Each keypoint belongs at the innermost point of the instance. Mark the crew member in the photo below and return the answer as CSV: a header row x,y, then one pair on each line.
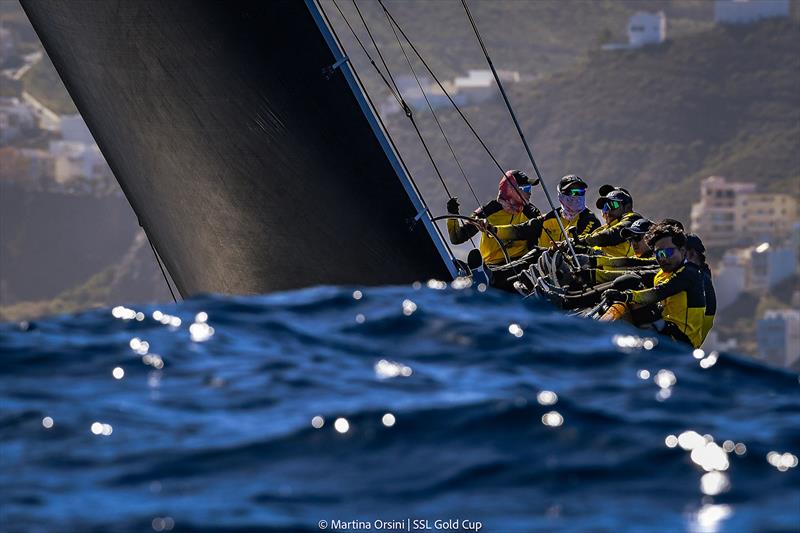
x,y
545,230
678,285
510,207
618,214
695,253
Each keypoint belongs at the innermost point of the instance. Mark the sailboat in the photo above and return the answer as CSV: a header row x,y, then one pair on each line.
x,y
249,149
244,142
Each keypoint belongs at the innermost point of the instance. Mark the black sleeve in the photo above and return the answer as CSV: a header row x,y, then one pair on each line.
x,y
610,236
527,231
587,224
488,210
679,282
711,295
460,232
530,211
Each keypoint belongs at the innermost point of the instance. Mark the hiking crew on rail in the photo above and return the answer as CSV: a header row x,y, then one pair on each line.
x,y
656,271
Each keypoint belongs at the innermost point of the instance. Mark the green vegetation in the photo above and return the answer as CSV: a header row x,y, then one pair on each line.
x,y
95,292
536,37
657,120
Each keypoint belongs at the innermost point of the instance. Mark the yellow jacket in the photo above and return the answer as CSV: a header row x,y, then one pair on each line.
x,y
608,240
683,295
491,252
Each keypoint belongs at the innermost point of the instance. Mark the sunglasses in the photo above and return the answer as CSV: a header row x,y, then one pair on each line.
x,y
574,192
664,253
610,205
526,188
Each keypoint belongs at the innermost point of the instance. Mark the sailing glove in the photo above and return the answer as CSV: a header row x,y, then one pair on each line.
x,y
531,211
614,295
452,205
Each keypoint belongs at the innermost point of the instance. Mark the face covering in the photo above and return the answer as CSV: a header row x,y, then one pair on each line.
x,y
510,196
571,206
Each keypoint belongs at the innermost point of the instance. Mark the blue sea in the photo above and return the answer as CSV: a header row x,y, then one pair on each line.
x,y
415,408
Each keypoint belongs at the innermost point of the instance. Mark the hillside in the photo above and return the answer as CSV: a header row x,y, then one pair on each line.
x,y
534,37
658,119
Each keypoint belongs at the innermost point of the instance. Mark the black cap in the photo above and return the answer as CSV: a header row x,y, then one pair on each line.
x,y
693,242
639,227
522,178
571,180
609,192
673,222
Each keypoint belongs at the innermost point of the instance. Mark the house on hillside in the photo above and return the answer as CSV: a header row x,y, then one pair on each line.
x,y
747,11
647,28
643,28
478,86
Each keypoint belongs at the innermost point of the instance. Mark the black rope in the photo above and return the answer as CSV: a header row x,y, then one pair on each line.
x,y
439,83
391,86
160,266
375,45
386,66
491,231
519,130
405,106
427,101
377,115
458,109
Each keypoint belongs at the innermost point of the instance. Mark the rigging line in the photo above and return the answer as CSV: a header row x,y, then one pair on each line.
x,y
389,73
427,101
444,135
439,83
405,106
158,260
395,93
392,24
378,116
519,130
377,49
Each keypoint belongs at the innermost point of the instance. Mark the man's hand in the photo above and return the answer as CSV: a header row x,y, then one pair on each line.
x,y
614,295
452,205
531,211
482,224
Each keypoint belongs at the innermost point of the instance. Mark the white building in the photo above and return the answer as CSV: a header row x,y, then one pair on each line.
x,y
731,279
778,335
747,11
74,160
15,119
731,213
647,28
479,86
416,99
73,128
770,265
476,87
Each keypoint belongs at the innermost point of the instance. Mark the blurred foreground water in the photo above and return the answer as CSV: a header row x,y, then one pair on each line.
x,y
385,406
